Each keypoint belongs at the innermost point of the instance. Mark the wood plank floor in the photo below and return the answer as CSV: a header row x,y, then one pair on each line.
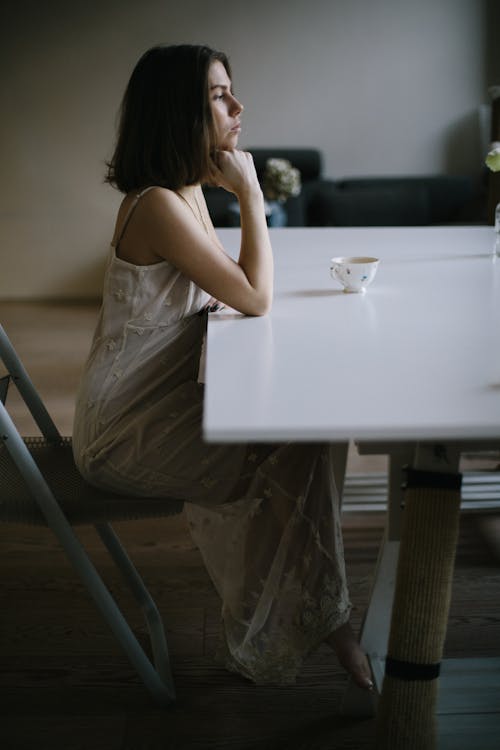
x,y
64,682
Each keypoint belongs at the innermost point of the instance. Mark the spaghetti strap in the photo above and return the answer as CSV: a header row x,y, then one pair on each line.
x,y
129,213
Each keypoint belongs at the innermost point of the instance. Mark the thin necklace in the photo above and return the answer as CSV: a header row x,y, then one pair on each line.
x,y
198,216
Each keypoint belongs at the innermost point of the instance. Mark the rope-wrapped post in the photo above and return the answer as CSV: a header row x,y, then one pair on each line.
x,y
406,718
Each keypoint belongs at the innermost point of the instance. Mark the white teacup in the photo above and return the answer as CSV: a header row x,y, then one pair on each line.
x,y
355,274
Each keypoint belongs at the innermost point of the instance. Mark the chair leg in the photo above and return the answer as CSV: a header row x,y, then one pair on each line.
x,y
145,600
161,691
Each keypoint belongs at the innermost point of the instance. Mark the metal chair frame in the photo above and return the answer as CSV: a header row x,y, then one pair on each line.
x,y
156,676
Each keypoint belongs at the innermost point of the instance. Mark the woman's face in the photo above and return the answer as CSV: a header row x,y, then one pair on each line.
x,y
226,110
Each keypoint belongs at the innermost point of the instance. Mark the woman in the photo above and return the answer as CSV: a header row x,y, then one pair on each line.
x,y
265,518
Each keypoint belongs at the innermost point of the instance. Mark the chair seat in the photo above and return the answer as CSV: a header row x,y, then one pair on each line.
x,y
80,501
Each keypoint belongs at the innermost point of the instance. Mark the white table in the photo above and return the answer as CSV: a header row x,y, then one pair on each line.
x,y
412,363
417,356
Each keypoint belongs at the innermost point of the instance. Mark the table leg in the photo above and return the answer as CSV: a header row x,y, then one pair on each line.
x,y
339,462
407,706
374,634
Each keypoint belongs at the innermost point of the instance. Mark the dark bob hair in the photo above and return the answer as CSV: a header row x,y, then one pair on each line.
x,y
166,132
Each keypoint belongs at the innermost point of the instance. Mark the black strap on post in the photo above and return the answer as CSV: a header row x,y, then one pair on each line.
x,y
410,671
431,479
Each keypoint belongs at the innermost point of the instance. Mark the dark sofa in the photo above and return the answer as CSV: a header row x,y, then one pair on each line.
x,y
361,201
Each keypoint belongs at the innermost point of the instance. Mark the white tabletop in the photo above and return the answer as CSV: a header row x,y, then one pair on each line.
x,y
417,357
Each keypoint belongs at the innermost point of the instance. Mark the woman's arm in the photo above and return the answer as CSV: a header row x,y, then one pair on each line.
x,y
236,173
173,232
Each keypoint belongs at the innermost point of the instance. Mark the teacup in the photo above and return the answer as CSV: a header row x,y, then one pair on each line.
x,y
355,274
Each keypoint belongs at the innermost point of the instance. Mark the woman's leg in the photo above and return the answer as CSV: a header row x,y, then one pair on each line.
x,y
275,555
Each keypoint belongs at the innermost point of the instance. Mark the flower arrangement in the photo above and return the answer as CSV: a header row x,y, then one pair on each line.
x,y
492,160
280,180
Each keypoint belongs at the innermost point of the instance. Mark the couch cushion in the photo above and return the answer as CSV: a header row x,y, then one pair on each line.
x,y
357,207
306,160
449,197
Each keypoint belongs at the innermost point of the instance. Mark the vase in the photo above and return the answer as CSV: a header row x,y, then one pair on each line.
x,y
233,214
275,214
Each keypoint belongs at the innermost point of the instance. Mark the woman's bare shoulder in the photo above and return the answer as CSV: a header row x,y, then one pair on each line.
x,y
137,216
158,194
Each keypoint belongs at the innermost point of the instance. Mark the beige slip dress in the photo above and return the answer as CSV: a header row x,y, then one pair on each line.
x,y
266,518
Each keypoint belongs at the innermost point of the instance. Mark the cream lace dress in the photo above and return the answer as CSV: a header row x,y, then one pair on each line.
x,y
265,517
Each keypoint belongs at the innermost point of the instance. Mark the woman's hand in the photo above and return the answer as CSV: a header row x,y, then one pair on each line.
x,y
235,171
213,305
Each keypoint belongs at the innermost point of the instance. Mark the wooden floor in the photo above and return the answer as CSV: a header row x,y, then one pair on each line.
x,y
64,681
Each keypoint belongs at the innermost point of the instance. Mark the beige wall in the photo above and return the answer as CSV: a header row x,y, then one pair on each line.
x,y
380,86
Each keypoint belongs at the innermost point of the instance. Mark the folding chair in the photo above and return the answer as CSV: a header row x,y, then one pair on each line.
x,y
40,484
